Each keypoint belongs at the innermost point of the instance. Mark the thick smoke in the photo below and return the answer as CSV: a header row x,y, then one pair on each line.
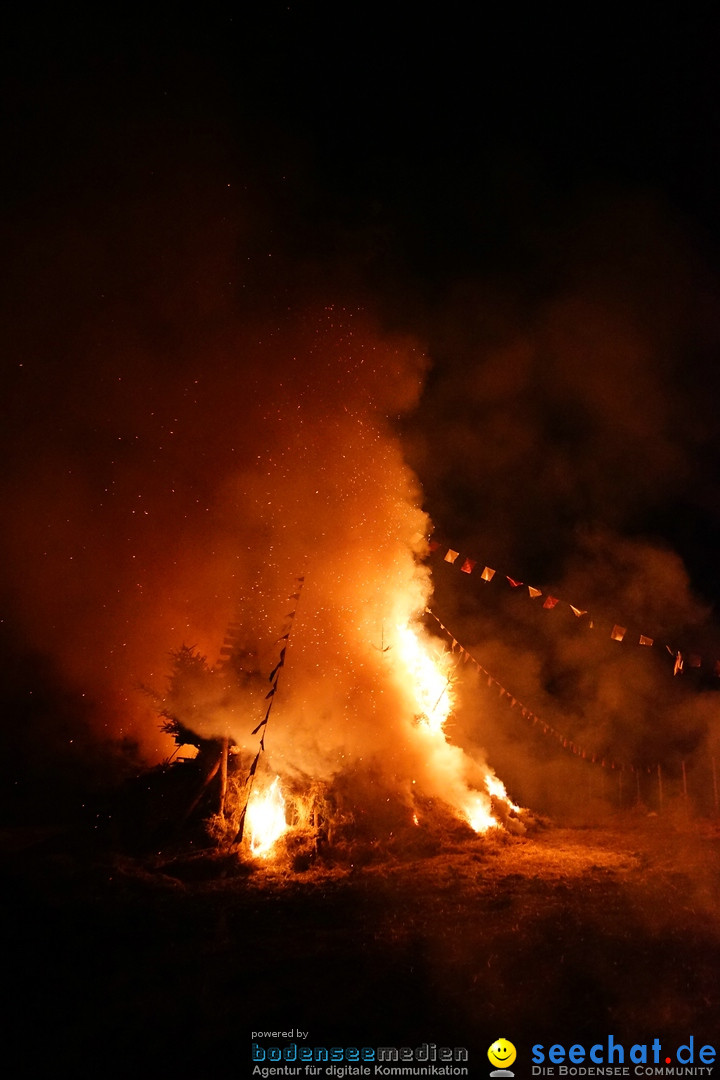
x,y
573,423
198,412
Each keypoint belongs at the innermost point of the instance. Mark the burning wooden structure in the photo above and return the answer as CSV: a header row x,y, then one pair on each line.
x,y
267,805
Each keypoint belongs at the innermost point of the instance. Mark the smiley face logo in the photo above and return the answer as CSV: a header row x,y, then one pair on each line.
x,y
502,1054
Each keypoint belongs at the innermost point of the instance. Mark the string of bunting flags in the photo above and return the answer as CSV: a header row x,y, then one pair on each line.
x,y
592,756
681,659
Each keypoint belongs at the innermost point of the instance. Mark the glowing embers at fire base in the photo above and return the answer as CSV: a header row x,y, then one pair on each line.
x,y
265,819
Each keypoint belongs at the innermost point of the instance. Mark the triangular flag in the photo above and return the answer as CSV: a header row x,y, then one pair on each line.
x,y
514,584
618,633
577,611
467,566
534,592
645,640
451,555
550,602
487,574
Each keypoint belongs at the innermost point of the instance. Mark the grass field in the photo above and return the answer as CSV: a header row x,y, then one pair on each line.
x,y
564,935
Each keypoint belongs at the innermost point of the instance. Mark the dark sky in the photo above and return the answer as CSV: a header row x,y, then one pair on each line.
x,y
531,200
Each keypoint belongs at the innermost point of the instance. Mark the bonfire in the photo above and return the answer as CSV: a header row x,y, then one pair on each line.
x,y
266,812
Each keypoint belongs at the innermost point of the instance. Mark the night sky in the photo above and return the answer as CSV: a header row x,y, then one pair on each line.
x,y
530,202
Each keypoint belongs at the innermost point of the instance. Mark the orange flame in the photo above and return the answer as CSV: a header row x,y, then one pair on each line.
x,y
477,811
496,787
431,680
265,819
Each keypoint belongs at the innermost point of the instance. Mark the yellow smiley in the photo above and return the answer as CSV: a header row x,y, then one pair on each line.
x,y
502,1053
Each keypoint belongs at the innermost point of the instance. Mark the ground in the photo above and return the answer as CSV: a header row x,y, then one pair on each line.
x,y
564,935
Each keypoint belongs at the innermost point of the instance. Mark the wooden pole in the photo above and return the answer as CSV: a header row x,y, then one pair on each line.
x,y
223,775
660,788
620,789
685,793
637,786
210,776
715,785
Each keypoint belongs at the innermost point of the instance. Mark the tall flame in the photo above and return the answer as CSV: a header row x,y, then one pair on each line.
x,y
430,673
431,682
265,818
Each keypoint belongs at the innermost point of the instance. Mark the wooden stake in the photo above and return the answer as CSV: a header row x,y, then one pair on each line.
x,y
223,775
210,776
